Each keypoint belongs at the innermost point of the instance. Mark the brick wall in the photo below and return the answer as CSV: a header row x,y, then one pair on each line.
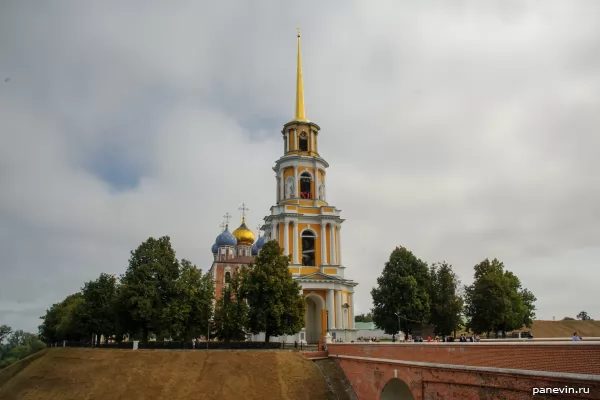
x,y
580,358
369,379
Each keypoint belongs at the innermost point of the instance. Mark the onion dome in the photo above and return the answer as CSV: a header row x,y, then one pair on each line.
x,y
214,248
254,248
226,238
244,235
260,242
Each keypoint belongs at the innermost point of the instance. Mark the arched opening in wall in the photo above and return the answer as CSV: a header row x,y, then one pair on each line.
x,y
305,192
227,277
313,322
308,249
396,389
303,142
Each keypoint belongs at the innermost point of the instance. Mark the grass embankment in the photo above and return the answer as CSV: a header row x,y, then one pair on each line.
x,y
558,329
61,374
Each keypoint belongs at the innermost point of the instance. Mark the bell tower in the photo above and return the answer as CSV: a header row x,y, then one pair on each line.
x,y
304,224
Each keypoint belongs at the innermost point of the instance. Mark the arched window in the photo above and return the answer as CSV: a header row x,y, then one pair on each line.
x,y
308,249
227,277
305,192
303,142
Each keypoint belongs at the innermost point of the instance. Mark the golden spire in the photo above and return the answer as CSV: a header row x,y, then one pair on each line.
x,y
300,113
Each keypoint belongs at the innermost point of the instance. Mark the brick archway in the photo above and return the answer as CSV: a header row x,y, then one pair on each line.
x,y
396,389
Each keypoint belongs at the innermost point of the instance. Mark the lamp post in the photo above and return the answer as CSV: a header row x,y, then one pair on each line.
x,y
399,330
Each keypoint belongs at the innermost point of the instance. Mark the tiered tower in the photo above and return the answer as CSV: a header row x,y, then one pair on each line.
x,y
308,228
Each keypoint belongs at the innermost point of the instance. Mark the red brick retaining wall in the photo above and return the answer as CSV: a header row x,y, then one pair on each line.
x,y
579,358
369,379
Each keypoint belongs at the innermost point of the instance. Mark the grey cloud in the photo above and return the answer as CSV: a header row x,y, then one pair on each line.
x,y
461,130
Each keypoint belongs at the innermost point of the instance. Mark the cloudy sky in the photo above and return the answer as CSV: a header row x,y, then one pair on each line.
x,y
461,130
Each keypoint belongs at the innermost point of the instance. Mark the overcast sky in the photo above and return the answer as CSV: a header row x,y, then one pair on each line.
x,y
458,129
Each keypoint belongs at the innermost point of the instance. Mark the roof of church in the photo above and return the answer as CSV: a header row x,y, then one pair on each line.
x,y
238,260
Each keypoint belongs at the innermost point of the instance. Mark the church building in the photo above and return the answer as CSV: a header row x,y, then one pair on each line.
x,y
307,228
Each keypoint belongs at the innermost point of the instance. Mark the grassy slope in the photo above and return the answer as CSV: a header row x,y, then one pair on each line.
x,y
63,374
552,329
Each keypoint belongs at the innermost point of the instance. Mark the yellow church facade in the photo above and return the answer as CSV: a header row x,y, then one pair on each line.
x,y
307,228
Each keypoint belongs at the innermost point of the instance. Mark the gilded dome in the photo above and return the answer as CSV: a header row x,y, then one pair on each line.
x,y
244,235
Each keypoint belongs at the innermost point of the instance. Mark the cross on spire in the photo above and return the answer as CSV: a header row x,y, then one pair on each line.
x,y
258,228
298,28
222,226
243,209
226,218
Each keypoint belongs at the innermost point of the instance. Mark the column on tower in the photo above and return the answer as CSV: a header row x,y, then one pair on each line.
x,y
330,313
296,183
339,245
286,238
338,309
323,244
295,246
281,186
332,242
316,169
273,232
351,303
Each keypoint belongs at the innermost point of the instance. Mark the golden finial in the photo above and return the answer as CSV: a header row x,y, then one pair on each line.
x,y
300,113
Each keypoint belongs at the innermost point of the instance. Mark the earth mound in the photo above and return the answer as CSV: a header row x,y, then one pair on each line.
x,y
68,373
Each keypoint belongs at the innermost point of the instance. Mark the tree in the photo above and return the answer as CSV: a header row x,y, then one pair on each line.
x,y
5,331
446,301
63,320
364,317
149,284
496,301
401,292
19,344
583,316
276,305
231,313
190,310
98,312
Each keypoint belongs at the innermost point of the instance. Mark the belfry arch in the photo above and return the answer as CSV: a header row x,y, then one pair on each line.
x,y
313,322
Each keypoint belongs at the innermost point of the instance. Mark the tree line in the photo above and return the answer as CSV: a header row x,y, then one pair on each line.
x,y
162,297
410,292
17,345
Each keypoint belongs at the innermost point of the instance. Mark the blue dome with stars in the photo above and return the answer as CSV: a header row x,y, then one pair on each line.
x,y
255,249
226,238
214,248
260,242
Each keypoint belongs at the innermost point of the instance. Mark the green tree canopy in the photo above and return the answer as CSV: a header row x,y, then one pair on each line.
x,y
583,316
496,301
190,309
63,321
446,301
98,311
364,318
5,331
231,313
148,285
276,305
402,291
